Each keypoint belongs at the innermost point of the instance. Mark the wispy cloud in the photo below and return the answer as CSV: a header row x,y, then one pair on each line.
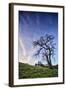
x,y
32,25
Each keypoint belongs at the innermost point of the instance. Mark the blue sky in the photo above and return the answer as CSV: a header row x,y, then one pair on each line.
x,y
33,25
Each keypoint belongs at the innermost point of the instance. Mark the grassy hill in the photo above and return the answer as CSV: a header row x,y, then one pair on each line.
x,y
28,71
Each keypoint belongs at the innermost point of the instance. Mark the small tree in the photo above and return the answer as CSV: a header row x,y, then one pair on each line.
x,y
46,47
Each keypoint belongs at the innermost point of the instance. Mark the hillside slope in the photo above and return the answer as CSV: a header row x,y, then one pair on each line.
x,y
28,71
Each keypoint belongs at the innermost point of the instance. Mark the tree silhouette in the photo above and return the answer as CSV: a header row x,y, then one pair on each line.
x,y
46,48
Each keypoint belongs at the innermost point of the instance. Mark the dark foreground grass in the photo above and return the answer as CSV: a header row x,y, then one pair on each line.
x,y
28,71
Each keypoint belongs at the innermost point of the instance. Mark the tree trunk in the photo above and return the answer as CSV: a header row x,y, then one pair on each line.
x,y
49,61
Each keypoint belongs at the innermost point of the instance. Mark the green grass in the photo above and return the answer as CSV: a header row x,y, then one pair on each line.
x,y
28,71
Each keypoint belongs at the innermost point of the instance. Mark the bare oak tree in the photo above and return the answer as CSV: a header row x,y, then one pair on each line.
x,y
46,48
